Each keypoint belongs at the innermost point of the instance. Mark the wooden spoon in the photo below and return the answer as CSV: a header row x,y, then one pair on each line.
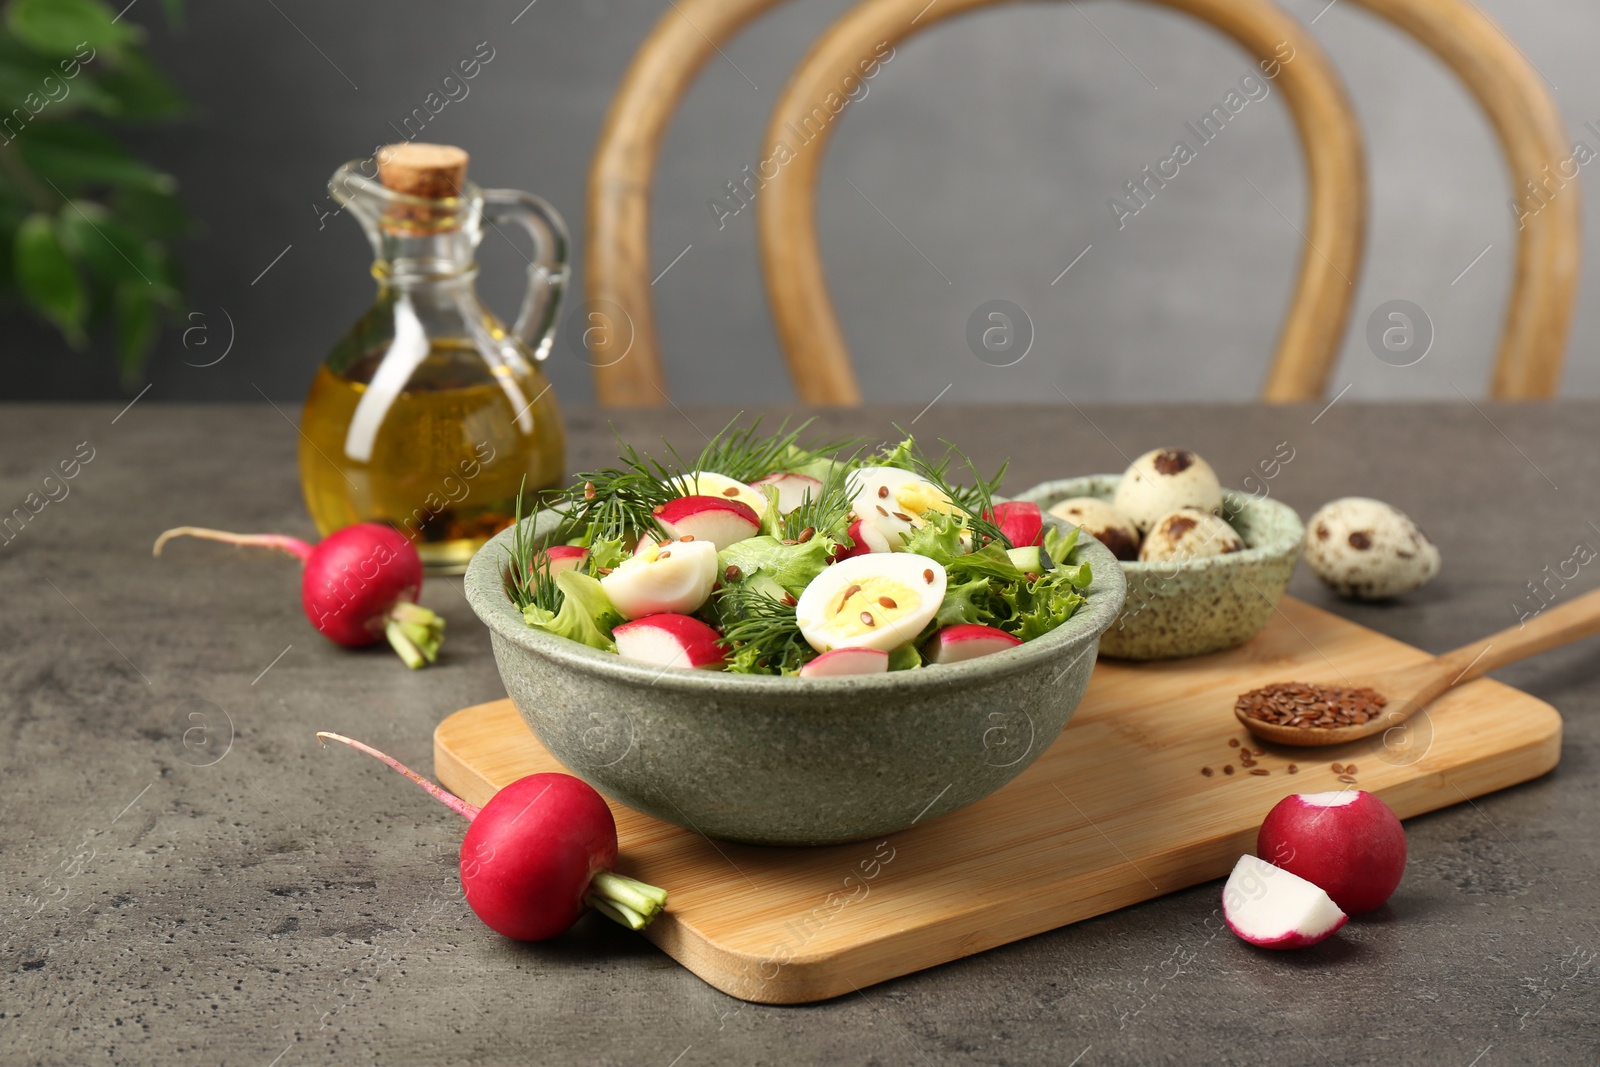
x,y
1410,689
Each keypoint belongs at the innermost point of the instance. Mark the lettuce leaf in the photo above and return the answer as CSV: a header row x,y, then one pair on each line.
x,y
585,616
791,566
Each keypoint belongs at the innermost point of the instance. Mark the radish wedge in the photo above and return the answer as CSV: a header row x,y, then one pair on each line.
x,y
793,489
1269,907
1021,522
559,558
719,520
670,641
845,661
964,641
867,540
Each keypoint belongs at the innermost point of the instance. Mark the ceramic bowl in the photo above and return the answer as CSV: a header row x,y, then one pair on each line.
x,y
792,761
1198,606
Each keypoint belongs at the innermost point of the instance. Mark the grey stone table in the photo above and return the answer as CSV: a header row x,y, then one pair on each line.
x,y
190,879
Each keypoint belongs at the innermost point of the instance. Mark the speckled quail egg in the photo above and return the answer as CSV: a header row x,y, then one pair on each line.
x,y
1102,521
1188,534
1368,550
1163,481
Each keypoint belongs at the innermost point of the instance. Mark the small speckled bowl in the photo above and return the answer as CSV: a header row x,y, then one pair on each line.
x,y
1197,606
793,761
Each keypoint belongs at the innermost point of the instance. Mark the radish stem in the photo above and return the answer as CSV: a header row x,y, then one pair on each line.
x,y
415,633
625,900
439,793
292,545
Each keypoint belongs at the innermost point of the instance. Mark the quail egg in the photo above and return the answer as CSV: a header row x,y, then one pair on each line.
x,y
1102,521
1166,480
1188,534
1368,550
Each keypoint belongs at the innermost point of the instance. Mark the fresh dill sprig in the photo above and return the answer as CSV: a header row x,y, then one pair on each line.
x,y
762,635
527,578
744,456
828,512
976,499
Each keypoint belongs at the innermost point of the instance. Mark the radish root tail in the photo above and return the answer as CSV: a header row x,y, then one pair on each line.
x,y
283,543
438,792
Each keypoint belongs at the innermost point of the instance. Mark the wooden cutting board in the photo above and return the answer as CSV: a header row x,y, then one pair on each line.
x,y
1115,812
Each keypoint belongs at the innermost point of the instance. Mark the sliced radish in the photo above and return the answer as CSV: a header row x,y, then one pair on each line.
x,y
1270,907
1021,522
674,576
559,558
867,540
793,489
1350,843
710,483
843,661
882,601
718,520
670,641
965,641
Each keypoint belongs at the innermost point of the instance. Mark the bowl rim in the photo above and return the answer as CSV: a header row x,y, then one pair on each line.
x,y
1270,550
1103,602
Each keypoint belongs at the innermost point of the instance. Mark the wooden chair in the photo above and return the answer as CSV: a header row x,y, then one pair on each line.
x,y
1533,341
618,268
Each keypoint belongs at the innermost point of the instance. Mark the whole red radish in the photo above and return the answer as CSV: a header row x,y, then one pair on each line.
x,y
538,854
359,586
1349,843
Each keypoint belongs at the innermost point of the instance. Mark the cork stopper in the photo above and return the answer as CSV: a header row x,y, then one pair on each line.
x,y
434,171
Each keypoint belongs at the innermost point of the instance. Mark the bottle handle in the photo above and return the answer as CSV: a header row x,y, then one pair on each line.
x,y
548,272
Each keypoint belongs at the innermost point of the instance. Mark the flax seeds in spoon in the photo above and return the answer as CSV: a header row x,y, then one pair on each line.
x,y
1325,707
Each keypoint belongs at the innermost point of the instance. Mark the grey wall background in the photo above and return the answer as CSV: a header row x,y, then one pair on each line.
x,y
992,142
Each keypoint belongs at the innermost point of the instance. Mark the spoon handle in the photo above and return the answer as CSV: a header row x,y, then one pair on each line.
x,y
1550,628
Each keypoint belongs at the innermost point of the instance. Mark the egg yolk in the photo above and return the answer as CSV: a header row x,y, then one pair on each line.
x,y
921,497
871,604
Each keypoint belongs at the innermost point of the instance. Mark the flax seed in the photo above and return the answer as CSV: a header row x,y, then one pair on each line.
x,y
730,491
1347,780
867,619
1207,771
1261,771
807,534
888,602
883,492
927,576
732,574
1228,769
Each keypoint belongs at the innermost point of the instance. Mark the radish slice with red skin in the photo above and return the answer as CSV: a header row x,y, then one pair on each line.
x,y
847,661
867,540
1269,907
670,641
793,489
964,641
1021,521
359,586
558,558
719,520
540,851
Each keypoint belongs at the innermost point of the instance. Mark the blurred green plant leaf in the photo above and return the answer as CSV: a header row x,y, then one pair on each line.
x,y
59,27
140,90
47,277
138,323
105,251
73,156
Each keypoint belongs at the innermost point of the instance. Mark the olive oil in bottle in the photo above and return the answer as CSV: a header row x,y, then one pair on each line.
x,y
429,414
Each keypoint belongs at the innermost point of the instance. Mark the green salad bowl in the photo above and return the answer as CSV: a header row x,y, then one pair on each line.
x,y
1189,608
793,761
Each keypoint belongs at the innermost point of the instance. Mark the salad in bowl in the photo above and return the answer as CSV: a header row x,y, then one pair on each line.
x,y
768,556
